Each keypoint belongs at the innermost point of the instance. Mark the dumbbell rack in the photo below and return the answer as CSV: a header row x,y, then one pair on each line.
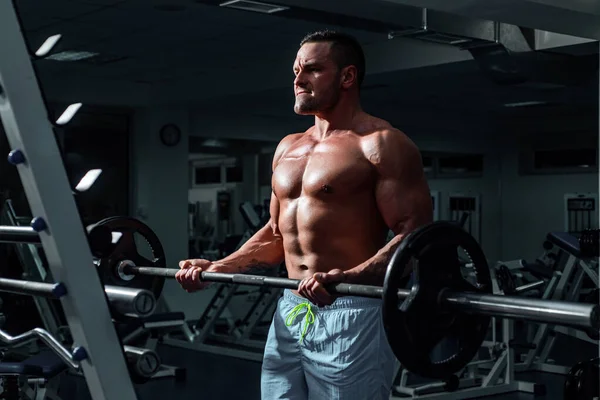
x,y
37,157
33,270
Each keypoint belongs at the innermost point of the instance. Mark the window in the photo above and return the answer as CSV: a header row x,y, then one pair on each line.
x,y
207,175
428,164
216,171
463,163
451,165
234,174
557,161
565,158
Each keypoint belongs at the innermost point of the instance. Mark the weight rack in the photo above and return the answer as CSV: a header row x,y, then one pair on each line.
x,y
37,157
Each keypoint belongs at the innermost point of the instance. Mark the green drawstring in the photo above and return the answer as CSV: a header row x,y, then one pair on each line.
x,y
308,319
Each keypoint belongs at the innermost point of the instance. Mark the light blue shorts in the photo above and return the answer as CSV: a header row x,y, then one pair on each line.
x,y
343,355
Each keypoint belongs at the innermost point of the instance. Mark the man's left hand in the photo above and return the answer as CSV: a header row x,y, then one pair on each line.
x,y
313,288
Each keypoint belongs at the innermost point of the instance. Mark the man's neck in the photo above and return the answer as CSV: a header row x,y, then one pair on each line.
x,y
342,117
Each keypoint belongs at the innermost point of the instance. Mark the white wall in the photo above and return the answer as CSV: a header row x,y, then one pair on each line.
x,y
533,205
160,188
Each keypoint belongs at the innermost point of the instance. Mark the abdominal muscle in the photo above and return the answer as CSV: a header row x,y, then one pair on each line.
x,y
319,236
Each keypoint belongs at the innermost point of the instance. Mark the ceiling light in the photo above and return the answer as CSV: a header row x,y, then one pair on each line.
x,y
71,55
48,45
255,6
524,103
214,143
88,180
68,114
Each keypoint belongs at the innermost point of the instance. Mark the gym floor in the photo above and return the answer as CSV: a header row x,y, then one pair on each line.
x,y
211,376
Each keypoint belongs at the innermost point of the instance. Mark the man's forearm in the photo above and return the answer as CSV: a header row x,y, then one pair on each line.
x,y
372,271
261,252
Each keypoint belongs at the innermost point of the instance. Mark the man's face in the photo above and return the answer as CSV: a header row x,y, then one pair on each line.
x,y
317,82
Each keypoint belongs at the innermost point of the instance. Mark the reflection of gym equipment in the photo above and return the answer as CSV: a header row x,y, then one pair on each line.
x,y
211,236
201,230
255,217
218,329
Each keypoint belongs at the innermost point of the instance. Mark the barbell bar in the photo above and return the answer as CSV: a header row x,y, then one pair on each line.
x,y
99,239
130,302
18,234
42,289
547,311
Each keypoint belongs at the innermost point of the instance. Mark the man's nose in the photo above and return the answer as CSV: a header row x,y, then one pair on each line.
x,y
300,80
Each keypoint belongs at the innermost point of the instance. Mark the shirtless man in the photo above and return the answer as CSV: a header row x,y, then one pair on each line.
x,y
338,188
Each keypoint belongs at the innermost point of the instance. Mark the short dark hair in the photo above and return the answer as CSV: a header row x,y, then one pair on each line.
x,y
345,49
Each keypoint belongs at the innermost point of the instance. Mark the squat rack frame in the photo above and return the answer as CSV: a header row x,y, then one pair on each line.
x,y
37,157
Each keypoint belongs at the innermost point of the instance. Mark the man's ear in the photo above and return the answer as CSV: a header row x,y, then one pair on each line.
x,y
348,76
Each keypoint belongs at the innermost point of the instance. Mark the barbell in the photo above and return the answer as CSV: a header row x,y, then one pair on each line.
x,y
441,304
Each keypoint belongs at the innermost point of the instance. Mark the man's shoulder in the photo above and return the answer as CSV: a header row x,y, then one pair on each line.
x,y
384,144
385,135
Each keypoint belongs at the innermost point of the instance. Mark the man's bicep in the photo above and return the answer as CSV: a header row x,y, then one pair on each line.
x,y
404,204
403,194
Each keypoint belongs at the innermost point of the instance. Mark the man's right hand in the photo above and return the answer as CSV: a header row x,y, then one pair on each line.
x,y
189,274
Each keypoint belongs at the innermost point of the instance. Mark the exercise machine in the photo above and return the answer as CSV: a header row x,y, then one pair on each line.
x,y
574,278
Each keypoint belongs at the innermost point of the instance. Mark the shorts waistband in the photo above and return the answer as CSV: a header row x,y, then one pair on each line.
x,y
339,303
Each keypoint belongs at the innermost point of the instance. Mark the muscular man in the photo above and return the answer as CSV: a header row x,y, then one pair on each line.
x,y
338,189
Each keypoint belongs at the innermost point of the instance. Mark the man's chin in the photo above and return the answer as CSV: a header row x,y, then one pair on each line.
x,y
303,110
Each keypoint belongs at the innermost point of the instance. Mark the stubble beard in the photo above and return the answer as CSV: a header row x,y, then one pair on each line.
x,y
311,105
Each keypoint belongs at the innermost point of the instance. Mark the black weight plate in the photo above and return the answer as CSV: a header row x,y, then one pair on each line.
x,y
125,248
582,381
99,239
587,385
417,325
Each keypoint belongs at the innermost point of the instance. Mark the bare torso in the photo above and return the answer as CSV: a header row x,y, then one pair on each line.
x,y
326,212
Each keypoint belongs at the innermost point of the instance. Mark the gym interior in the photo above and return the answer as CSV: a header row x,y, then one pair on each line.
x,y
169,113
